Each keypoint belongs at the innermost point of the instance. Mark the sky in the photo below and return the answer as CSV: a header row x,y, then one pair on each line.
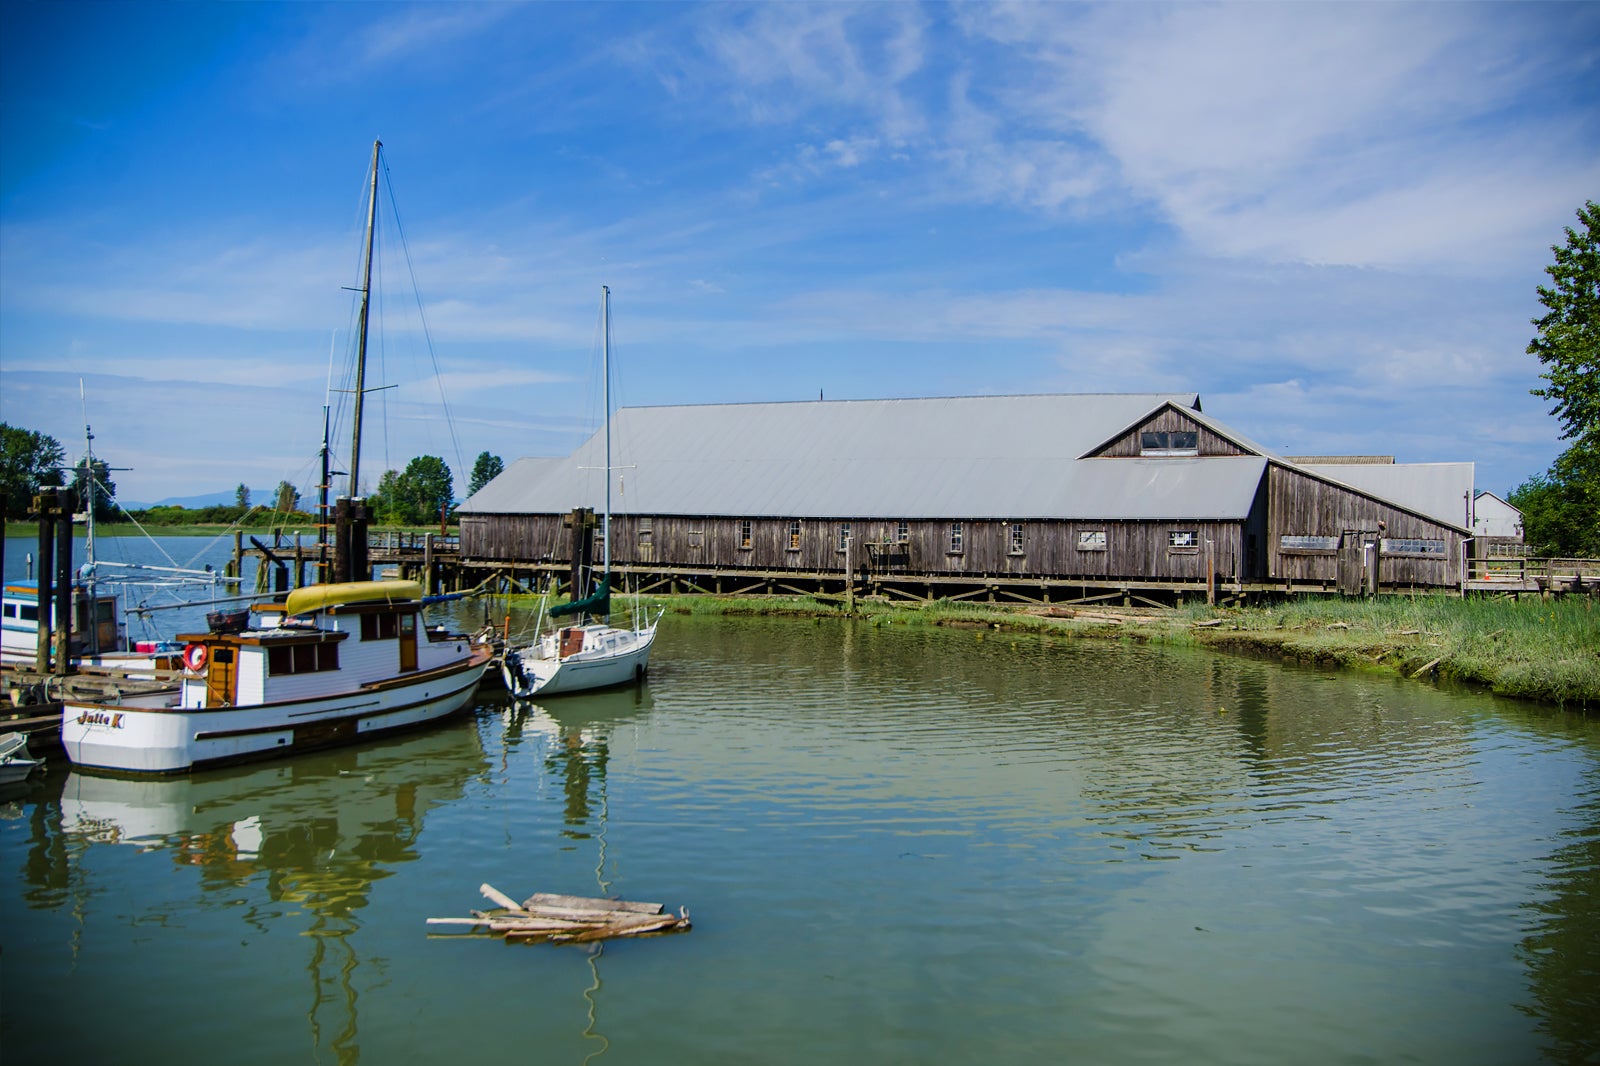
x,y
1330,221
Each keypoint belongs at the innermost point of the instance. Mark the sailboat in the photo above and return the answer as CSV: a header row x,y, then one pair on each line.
x,y
330,664
593,654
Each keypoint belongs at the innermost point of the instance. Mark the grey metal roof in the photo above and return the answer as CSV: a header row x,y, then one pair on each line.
x,y
975,457
1442,491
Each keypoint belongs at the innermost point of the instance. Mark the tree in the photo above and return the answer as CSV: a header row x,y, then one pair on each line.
x,y
241,497
1568,343
288,498
414,497
1561,507
486,469
28,460
105,490
427,489
385,500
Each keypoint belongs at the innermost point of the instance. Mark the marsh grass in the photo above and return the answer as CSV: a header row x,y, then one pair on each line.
x,y
1531,648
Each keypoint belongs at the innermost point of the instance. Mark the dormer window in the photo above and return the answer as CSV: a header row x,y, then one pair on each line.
x,y
1169,442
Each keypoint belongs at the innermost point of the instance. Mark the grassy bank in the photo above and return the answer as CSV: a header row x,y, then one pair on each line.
x,y
1528,648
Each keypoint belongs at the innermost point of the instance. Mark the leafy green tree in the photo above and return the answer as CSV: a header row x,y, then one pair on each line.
x,y
387,509
486,469
241,496
105,490
288,498
28,460
1568,343
1561,507
427,489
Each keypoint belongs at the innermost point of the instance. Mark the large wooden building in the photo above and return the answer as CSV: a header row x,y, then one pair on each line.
x,y
1051,497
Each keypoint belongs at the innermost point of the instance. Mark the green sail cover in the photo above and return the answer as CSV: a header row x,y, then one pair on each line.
x,y
597,602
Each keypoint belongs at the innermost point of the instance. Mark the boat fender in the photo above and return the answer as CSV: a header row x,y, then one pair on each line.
x,y
194,657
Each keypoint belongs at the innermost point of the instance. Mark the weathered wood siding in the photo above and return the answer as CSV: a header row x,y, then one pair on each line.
x,y
1132,550
1301,505
1168,420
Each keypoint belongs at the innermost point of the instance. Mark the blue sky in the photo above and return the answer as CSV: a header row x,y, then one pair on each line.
x,y
1330,221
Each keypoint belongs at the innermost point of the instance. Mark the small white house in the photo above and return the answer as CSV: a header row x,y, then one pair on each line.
x,y
1494,518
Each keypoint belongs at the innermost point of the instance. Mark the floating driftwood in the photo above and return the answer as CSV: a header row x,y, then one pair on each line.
x,y
568,919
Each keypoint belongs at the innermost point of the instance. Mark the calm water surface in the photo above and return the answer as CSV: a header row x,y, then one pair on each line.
x,y
954,846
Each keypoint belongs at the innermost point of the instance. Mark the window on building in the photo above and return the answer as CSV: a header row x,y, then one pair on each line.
x,y
380,626
1413,547
1307,544
304,658
1091,540
794,535
1016,538
1183,540
1169,442
844,536
746,541
696,537
957,535
903,532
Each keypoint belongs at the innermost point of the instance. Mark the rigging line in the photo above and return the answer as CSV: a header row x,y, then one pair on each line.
x,y
422,314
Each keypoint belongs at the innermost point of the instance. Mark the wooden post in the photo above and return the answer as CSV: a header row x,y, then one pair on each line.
x,y
427,564
45,504
1211,573
64,589
341,539
360,559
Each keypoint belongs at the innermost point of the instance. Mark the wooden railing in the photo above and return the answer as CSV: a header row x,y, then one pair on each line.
x,y
1528,571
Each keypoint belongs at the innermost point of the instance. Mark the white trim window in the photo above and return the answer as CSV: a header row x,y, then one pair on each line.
x,y
1014,539
957,537
1167,442
1091,540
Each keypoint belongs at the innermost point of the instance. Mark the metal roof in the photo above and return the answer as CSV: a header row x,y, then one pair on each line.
x,y
1442,491
1003,457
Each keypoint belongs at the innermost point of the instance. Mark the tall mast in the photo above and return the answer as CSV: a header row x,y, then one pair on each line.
x,y
88,482
605,389
361,343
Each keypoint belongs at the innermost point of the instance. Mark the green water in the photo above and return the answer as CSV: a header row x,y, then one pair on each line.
x,y
953,846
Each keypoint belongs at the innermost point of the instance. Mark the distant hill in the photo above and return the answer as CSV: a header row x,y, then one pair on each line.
x,y
210,499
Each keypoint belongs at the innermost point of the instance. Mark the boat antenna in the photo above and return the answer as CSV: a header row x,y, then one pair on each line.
x,y
361,343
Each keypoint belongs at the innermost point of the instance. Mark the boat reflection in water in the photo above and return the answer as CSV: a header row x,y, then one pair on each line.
x,y
576,735
316,831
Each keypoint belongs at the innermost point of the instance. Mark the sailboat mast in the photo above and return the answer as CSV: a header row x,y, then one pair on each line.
x,y
605,389
88,482
361,343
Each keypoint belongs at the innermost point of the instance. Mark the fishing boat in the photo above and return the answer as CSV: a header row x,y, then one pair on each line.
x,y
329,664
15,761
591,654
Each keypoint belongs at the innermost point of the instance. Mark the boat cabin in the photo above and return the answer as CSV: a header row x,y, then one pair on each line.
x,y
95,626
313,644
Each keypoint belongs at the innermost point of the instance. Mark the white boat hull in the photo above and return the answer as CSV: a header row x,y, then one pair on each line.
x,y
136,737
529,674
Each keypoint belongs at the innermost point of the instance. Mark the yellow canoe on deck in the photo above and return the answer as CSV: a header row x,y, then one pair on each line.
x,y
316,597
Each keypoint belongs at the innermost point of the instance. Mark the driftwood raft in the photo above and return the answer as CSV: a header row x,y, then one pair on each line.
x,y
568,919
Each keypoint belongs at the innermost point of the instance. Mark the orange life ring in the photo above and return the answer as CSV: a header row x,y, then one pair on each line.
x,y
194,657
